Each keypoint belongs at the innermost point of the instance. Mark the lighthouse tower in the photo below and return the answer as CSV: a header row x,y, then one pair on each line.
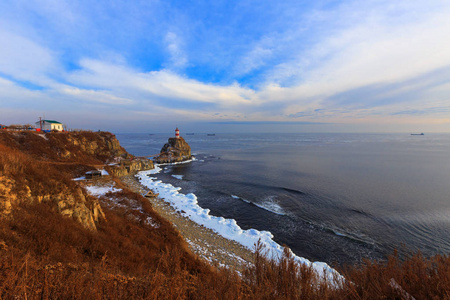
x,y
177,133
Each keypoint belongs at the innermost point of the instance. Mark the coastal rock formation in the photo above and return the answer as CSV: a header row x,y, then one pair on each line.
x,y
129,166
175,150
39,168
85,146
68,201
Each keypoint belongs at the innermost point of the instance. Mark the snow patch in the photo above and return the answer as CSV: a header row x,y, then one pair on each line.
x,y
101,190
151,222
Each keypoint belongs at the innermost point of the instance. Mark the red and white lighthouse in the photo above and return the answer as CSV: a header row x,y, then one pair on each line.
x,y
177,133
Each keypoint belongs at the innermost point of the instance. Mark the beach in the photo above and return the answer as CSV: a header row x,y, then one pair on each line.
x,y
204,242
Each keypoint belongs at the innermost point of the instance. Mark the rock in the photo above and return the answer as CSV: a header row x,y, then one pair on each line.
x,y
128,166
175,150
85,210
7,197
150,194
10,195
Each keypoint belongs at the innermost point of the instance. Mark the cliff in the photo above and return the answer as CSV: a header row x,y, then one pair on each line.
x,y
175,150
38,167
130,166
86,147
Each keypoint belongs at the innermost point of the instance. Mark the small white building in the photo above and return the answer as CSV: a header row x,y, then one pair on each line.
x,y
50,125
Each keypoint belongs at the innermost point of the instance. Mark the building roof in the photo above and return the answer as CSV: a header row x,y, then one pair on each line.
x,y
50,121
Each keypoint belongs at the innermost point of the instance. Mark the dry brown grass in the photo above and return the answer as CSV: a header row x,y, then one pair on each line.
x,y
44,255
416,276
41,178
62,146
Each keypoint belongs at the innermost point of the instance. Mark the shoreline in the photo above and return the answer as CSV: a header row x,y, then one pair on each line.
x,y
227,229
204,242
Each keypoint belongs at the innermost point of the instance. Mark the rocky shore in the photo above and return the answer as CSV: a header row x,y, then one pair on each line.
x,y
204,242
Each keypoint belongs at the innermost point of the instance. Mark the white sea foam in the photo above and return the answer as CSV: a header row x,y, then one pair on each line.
x,y
180,177
227,228
178,162
268,204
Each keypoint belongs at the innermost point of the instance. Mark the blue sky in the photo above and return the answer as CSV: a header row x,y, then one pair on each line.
x,y
146,66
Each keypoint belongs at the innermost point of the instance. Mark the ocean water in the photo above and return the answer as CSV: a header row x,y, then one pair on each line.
x,y
336,198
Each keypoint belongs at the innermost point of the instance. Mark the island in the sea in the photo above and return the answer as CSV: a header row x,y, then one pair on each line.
x,y
175,150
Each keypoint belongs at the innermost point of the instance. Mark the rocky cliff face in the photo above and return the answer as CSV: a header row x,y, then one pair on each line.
x,y
37,167
130,166
68,200
175,150
84,147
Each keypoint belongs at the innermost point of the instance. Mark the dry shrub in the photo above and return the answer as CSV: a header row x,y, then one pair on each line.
x,y
284,278
45,255
60,147
40,177
416,277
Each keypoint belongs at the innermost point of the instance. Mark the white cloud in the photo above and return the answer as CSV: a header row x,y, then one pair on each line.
x,y
23,59
95,96
178,58
162,84
363,60
256,57
372,49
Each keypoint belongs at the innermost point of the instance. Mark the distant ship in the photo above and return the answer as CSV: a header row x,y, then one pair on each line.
x,y
211,134
417,133
189,134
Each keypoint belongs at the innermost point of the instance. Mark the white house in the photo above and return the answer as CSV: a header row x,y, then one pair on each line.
x,y
50,125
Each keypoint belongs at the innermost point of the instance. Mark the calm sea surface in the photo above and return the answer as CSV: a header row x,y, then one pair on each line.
x,y
335,198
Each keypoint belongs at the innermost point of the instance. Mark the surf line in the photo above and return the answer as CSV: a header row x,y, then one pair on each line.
x,y
228,228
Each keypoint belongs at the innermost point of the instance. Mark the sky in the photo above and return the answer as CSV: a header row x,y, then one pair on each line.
x,y
227,66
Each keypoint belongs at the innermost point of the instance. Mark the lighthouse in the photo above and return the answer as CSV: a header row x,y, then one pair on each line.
x,y
177,133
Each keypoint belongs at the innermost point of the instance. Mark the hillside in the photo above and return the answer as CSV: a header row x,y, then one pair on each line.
x,y
73,244
61,240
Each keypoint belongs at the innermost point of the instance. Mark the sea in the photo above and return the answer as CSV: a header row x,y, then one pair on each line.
x,y
335,198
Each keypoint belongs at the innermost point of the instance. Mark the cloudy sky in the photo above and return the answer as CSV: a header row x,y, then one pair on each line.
x,y
298,66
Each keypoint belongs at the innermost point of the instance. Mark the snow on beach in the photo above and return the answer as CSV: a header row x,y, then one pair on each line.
x,y
101,190
228,228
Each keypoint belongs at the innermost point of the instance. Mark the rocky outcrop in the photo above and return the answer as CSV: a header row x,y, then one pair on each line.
x,y
73,204
7,195
100,145
175,150
84,209
129,166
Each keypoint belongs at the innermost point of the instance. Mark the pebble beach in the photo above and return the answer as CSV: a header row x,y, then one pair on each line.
x,y
204,242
